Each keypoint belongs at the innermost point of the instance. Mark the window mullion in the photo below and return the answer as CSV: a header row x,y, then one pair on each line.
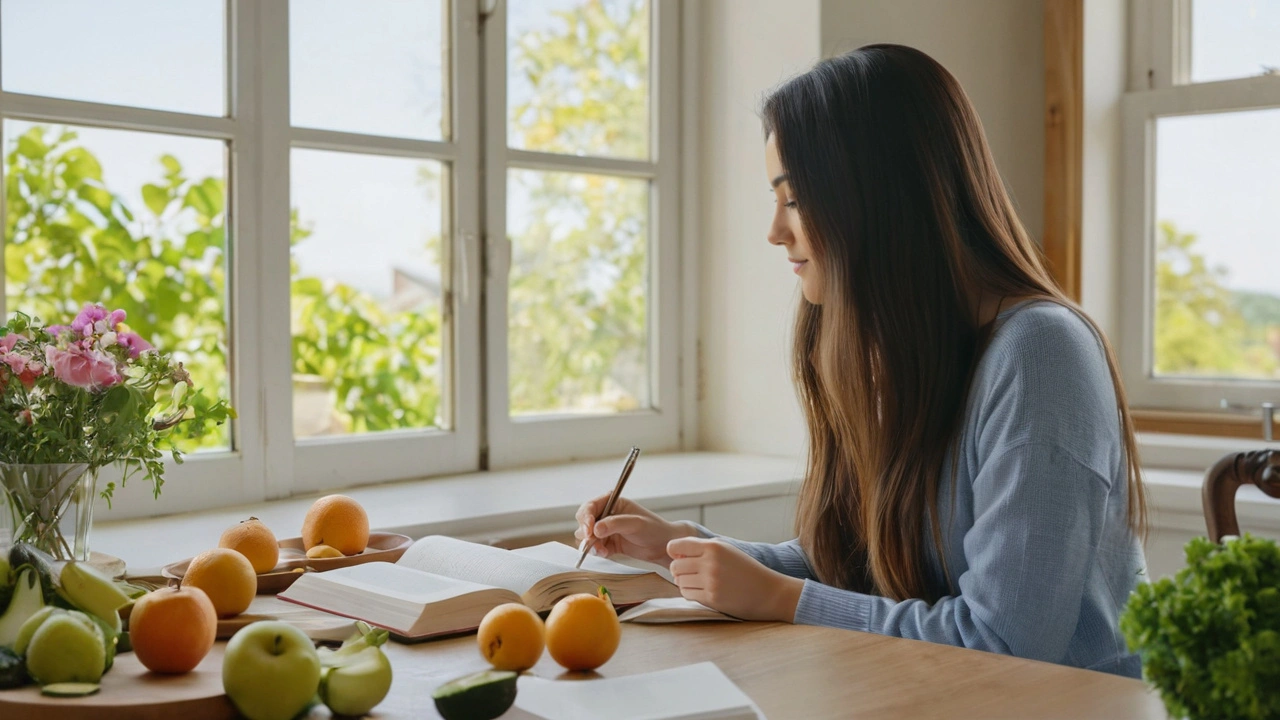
x,y
271,247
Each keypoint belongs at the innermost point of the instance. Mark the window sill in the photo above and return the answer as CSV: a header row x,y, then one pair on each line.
x,y
1195,453
477,506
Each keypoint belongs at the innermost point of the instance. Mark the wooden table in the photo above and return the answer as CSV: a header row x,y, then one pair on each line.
x,y
808,672
789,671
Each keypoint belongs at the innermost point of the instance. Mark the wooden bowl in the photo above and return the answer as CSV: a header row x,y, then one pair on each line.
x,y
384,547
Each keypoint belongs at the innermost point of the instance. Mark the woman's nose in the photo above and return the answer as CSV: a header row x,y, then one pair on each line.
x,y
779,234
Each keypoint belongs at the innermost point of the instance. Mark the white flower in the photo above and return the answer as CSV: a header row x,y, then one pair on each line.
x,y
108,340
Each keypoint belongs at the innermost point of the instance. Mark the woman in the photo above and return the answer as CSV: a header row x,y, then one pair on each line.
x,y
972,477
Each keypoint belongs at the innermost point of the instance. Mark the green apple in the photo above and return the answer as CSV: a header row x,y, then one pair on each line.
x,y
67,647
270,670
356,683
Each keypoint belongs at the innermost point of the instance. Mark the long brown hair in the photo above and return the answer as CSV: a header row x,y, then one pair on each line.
x,y
911,227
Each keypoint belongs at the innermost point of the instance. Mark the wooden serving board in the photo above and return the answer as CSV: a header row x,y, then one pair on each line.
x,y
131,692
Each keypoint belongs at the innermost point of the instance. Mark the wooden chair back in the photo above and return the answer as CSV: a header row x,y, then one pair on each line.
x,y
1256,467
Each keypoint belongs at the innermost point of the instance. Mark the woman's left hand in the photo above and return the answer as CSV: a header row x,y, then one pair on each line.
x,y
724,578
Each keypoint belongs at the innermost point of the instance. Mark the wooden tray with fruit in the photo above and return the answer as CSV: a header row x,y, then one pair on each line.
x,y
382,547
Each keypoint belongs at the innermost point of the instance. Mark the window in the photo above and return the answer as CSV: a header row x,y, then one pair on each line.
x,y
582,202
1202,177
393,266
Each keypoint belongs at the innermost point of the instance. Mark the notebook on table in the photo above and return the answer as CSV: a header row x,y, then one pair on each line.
x,y
692,692
444,586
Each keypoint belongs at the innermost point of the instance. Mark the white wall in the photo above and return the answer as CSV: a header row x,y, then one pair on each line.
x,y
994,47
747,291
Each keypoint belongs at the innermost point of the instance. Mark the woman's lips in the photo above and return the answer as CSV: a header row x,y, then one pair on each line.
x,y
798,265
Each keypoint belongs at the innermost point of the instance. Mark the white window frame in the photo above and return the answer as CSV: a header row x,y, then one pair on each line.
x,y
543,438
1159,86
265,461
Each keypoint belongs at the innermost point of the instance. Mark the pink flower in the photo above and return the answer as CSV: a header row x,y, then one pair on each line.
x,y
78,366
94,319
25,367
134,342
24,417
8,341
56,330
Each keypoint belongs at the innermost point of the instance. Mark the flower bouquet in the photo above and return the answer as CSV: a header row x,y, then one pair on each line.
x,y
75,399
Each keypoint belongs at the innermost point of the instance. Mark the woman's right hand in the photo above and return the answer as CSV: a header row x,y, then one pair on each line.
x,y
631,530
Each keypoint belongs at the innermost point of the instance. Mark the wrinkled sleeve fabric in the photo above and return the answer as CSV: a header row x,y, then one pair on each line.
x,y
1038,514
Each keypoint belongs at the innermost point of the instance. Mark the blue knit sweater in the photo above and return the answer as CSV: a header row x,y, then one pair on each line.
x,y
1037,540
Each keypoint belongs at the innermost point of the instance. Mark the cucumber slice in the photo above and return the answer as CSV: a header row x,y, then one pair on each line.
x,y
481,696
69,689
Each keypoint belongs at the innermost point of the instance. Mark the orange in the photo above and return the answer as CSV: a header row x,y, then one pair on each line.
x,y
172,629
255,541
337,521
226,577
583,631
323,551
511,637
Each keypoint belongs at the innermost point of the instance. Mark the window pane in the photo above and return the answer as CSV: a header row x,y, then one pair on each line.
x,y
132,220
375,67
578,76
155,54
1234,38
366,292
1217,284
577,307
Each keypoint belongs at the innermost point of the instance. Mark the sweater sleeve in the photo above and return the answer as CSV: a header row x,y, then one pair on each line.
x,y
1038,514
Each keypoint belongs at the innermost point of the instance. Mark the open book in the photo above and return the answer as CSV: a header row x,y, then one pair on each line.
x,y
442,586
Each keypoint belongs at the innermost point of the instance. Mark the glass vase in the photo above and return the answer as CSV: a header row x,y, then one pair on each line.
x,y
49,506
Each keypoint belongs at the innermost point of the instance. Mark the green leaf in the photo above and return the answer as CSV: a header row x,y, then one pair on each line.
x,y
156,198
31,145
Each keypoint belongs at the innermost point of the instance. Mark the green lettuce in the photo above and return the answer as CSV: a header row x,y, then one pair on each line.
x,y
1209,637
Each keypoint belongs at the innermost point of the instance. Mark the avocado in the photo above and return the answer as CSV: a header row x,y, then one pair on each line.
x,y
13,671
27,554
481,696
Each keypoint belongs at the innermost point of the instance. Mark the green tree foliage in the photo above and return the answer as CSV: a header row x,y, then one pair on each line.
x,y
1200,326
70,240
578,290
577,302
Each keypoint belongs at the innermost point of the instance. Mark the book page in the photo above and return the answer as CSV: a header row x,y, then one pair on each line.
x,y
477,563
566,557
660,611
692,692
395,581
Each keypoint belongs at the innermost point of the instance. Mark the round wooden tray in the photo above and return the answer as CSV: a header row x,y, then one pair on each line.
x,y
382,547
131,692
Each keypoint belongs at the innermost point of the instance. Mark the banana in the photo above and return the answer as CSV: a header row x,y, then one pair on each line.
x,y
92,592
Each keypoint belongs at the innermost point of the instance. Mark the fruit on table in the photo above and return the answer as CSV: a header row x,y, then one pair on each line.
x,y
172,629
92,592
226,577
337,521
255,541
481,696
27,600
583,631
29,627
324,551
67,647
70,689
270,670
357,676
26,554
13,671
511,637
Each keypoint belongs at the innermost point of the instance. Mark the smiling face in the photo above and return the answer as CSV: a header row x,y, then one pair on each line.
x,y
786,230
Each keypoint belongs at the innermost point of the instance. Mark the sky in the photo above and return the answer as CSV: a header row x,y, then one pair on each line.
x,y
375,67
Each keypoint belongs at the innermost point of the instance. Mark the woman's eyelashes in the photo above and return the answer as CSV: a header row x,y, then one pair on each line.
x,y
790,205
